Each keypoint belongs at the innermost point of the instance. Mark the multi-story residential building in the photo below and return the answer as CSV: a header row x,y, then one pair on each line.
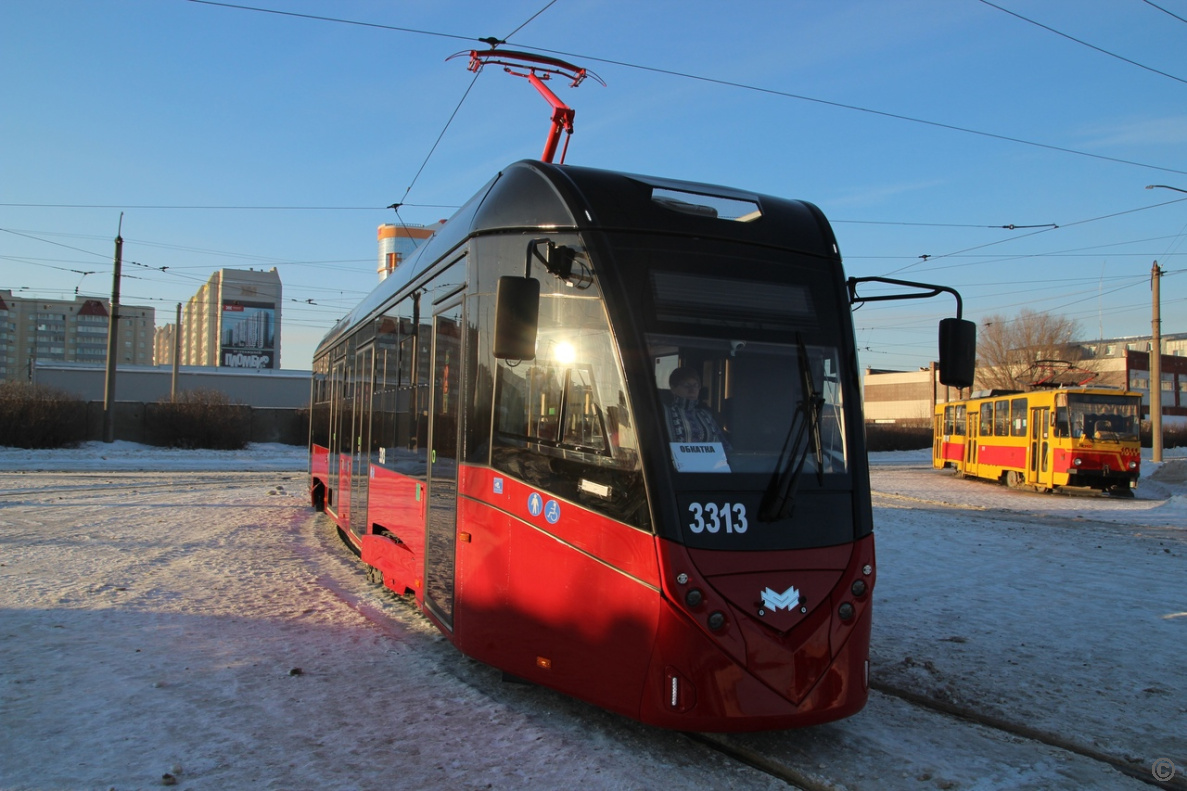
x,y
50,330
232,322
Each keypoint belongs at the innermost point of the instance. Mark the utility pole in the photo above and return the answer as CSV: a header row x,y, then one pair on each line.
x,y
1156,353
1155,368
113,331
176,355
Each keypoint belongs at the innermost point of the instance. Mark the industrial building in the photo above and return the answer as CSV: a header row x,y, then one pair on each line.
x,y
909,397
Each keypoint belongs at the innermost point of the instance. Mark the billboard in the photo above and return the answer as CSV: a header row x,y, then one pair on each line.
x,y
247,335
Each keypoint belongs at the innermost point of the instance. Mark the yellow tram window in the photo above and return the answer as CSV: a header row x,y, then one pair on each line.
x,y
1001,419
1018,417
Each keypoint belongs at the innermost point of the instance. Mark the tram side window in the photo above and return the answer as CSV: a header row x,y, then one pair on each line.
x,y
383,396
412,388
954,420
319,398
1018,417
342,412
561,421
1001,419
1061,422
987,419
397,433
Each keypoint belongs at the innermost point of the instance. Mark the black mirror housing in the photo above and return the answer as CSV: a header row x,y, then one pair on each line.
x,y
958,352
517,316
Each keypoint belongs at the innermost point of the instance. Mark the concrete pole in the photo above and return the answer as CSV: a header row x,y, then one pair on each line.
x,y
176,355
1155,368
113,332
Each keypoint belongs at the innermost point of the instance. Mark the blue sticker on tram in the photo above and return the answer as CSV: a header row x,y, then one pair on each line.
x,y
552,512
498,486
535,504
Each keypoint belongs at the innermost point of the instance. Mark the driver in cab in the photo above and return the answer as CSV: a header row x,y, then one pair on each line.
x,y
687,419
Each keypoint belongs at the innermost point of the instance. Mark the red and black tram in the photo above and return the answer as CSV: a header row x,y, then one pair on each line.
x,y
494,432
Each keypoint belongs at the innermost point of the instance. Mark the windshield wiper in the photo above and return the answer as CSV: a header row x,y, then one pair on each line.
x,y
779,499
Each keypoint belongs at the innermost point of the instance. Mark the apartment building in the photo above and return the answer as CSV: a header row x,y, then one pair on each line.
x,y
53,330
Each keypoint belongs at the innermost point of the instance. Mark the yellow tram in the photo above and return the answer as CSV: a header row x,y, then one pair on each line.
x,y
1045,439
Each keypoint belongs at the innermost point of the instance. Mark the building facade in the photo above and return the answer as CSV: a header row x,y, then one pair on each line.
x,y
48,330
148,384
910,396
233,321
397,242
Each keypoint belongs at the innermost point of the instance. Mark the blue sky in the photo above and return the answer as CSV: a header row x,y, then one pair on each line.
x,y
243,139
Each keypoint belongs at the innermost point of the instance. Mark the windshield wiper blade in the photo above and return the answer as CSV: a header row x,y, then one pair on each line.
x,y
779,499
780,495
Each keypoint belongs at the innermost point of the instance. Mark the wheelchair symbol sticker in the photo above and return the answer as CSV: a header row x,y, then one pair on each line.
x,y
552,512
535,504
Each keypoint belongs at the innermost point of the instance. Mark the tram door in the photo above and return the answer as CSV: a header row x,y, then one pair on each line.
x,y
361,441
441,539
1039,470
970,442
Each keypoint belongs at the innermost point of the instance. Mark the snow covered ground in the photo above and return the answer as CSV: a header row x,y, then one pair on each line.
x,y
186,614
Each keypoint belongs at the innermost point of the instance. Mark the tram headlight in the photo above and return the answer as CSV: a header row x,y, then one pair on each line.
x,y
716,620
1076,462
694,597
846,611
858,588
1133,465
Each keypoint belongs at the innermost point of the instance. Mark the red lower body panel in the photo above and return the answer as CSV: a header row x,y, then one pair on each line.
x,y
725,696
569,599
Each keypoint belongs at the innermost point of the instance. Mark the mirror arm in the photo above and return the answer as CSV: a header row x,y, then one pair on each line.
x,y
930,289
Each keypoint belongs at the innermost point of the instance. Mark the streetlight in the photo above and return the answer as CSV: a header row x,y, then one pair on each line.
x,y
1156,354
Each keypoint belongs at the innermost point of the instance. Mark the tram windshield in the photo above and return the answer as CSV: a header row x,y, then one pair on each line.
x,y
1099,416
735,406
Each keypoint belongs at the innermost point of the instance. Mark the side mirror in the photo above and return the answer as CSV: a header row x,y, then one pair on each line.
x,y
958,352
517,315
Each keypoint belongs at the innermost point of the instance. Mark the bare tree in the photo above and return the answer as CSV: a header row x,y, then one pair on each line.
x,y
1013,354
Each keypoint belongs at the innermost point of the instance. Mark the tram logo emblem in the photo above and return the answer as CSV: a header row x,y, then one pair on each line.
x,y
786,600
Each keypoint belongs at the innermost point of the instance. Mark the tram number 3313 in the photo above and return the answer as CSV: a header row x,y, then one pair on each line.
x,y
714,517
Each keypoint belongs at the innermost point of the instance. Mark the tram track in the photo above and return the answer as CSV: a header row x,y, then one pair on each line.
x,y
791,775
729,746
1121,764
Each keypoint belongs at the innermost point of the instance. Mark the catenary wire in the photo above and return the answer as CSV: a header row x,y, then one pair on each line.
x,y
1163,10
1085,43
734,84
